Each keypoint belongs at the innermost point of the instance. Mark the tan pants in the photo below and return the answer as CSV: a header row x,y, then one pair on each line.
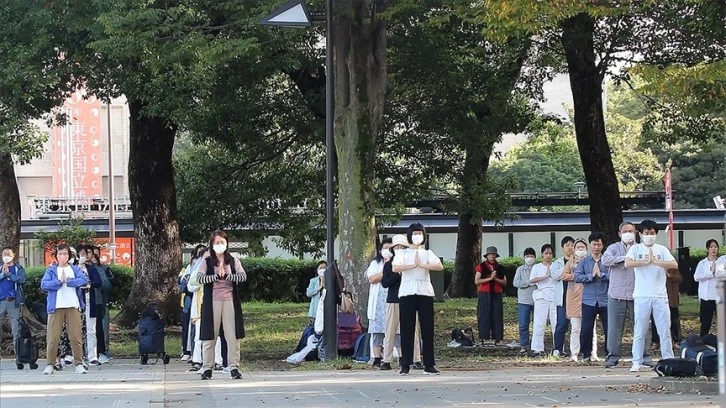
x,y
72,318
392,321
223,311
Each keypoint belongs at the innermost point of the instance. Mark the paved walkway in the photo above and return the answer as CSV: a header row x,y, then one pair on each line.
x,y
125,383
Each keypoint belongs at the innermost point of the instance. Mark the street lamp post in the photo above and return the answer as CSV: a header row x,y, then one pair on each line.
x,y
294,13
111,192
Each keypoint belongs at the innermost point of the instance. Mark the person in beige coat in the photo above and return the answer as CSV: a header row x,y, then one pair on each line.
x,y
574,301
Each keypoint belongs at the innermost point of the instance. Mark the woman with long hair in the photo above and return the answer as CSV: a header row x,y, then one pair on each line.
x,y
220,273
377,296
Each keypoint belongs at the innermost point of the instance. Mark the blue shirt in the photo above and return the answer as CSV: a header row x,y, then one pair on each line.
x,y
9,285
594,289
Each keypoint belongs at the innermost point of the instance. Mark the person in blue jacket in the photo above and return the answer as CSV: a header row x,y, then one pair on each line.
x,y
12,277
63,282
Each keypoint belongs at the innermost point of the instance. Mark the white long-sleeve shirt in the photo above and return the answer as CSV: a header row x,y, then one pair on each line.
x,y
708,279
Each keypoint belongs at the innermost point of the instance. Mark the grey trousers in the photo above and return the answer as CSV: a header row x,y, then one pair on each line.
x,y
9,309
618,310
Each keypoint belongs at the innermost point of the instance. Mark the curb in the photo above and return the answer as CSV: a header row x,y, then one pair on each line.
x,y
691,386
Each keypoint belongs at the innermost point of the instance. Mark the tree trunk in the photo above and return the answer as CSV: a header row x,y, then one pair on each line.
x,y
359,53
586,82
9,203
469,236
157,257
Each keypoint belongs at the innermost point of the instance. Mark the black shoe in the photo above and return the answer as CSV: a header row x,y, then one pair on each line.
x,y
611,363
538,354
218,367
195,367
404,370
418,366
235,374
377,362
207,375
385,366
431,370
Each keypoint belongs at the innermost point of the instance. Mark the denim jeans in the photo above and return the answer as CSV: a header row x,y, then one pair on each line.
x,y
524,313
563,323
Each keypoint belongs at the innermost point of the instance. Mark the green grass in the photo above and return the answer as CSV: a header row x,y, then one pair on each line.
x,y
273,330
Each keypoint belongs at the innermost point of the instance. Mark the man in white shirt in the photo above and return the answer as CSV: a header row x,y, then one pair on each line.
x,y
650,262
544,299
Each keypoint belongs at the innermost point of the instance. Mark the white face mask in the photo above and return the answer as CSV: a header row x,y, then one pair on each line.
x,y
417,239
386,253
648,240
7,259
219,248
580,253
529,260
82,259
627,237
321,272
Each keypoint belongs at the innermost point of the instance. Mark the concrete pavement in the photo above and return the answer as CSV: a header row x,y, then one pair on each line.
x,y
125,383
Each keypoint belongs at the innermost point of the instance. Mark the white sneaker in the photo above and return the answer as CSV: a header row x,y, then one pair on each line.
x,y
48,370
635,368
80,369
185,357
556,353
68,360
595,358
514,345
573,359
103,359
227,369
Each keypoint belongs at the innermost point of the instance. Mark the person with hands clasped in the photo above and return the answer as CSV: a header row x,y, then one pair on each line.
x,y
490,308
650,262
315,288
220,273
91,293
544,299
594,277
708,272
525,304
63,283
416,297
12,276
574,297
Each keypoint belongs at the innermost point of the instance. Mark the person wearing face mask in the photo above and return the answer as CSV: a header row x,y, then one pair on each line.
x,y
650,262
620,293
315,288
563,323
377,296
708,272
12,277
544,300
416,297
574,297
491,281
91,311
525,304
594,277
220,273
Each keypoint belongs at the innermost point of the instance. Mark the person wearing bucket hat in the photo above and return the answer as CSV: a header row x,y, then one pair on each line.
x,y
392,281
491,281
417,297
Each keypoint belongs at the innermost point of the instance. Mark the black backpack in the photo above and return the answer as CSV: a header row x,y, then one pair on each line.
x,y
678,367
465,337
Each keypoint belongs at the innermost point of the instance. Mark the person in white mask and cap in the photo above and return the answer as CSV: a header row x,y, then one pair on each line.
x,y
650,262
315,288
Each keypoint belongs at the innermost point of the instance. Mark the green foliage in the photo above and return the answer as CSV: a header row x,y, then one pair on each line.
x,y
70,231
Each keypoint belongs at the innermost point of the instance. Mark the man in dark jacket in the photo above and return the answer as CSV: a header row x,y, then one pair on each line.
x,y
12,276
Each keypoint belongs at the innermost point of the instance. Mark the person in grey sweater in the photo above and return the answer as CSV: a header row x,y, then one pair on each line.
x,y
525,304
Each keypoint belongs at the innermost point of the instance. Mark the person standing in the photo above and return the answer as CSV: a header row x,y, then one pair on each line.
x,y
63,282
416,297
315,288
650,262
220,273
673,284
574,297
595,278
491,281
377,296
544,299
525,304
103,298
708,272
91,311
12,278
563,323
620,293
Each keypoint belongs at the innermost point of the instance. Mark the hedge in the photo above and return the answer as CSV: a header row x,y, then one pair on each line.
x,y
283,280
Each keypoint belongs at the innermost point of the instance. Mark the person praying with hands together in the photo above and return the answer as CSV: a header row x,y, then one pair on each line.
x,y
544,299
650,261
220,273
63,283
416,297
